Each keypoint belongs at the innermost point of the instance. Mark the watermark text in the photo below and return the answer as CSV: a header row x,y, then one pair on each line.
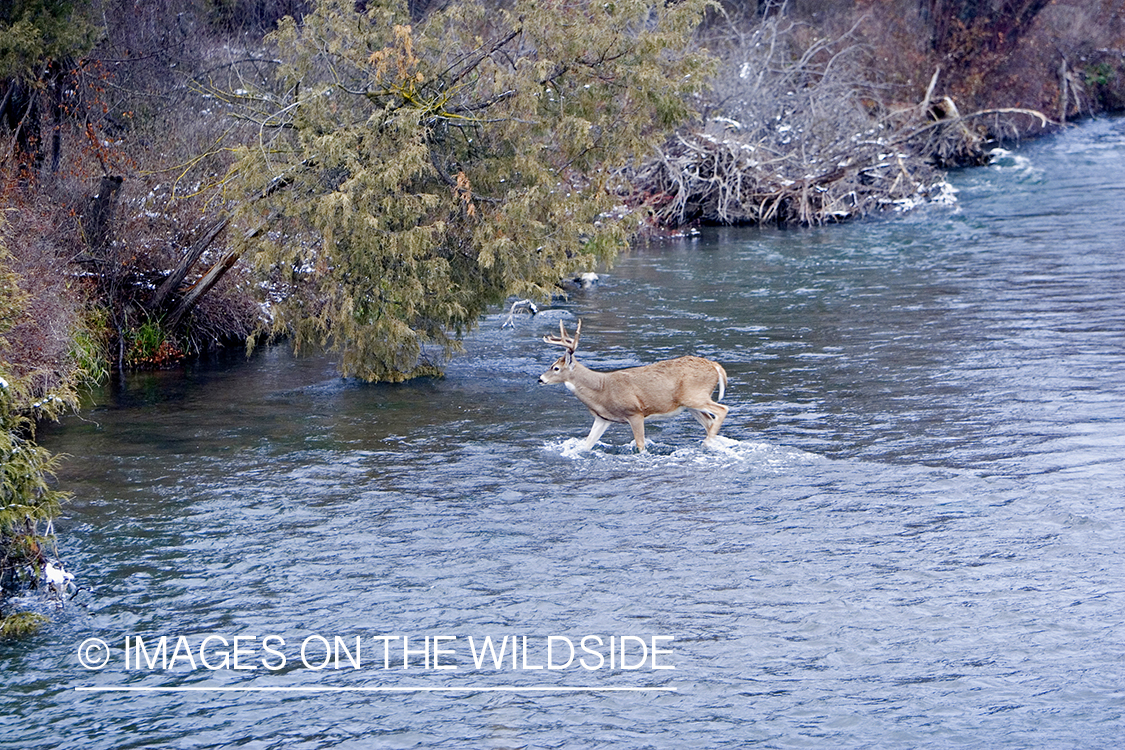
x,y
272,653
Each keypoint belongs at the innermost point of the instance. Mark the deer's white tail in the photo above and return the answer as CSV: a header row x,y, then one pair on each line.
x,y
722,380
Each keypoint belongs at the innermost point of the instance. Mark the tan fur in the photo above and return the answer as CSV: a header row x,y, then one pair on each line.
x,y
630,396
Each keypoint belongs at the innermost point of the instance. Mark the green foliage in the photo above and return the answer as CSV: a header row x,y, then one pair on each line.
x,y
411,177
35,30
26,498
147,340
1099,74
151,346
88,347
19,624
12,298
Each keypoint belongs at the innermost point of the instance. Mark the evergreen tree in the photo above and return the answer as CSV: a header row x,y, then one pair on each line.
x,y
407,177
26,497
34,31
38,39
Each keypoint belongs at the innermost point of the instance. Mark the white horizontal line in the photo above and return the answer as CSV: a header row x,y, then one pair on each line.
x,y
377,689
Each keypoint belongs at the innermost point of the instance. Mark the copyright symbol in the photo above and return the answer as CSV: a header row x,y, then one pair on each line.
x,y
93,653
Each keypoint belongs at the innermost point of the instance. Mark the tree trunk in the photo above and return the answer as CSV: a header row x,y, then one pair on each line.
x,y
58,80
212,277
98,217
200,288
172,283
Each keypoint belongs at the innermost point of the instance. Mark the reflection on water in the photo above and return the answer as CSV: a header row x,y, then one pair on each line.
x,y
910,534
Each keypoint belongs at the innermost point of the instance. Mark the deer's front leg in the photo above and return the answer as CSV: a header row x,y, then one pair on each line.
x,y
637,422
600,426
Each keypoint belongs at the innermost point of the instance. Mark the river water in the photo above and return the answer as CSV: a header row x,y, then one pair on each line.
x,y
910,535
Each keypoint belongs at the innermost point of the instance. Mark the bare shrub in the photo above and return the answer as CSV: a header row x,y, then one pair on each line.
x,y
793,136
39,348
155,105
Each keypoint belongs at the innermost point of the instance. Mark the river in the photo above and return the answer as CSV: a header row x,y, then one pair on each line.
x,y
911,533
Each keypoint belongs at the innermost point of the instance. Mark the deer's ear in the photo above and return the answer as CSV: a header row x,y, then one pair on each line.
x,y
568,359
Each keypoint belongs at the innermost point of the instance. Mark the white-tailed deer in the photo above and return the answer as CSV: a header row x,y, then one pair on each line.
x,y
629,396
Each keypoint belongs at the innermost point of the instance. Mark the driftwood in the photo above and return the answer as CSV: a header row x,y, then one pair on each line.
x,y
959,140
200,288
730,181
727,178
520,306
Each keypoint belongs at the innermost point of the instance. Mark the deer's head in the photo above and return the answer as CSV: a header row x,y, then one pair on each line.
x,y
562,366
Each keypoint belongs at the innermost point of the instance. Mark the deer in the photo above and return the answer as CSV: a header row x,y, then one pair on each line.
x,y
629,396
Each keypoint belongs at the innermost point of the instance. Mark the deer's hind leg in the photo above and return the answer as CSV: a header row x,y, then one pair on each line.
x,y
637,422
711,417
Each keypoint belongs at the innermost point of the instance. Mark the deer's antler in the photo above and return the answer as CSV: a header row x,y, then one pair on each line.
x,y
571,344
